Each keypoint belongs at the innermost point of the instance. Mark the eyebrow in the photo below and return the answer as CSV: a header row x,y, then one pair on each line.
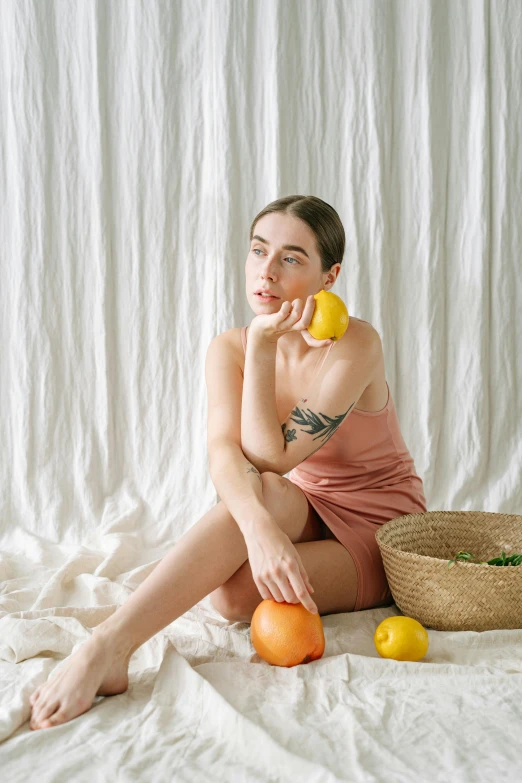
x,y
285,247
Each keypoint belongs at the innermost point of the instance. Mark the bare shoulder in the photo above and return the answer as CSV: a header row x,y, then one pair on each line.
x,y
229,337
361,343
232,337
365,342
230,343
360,335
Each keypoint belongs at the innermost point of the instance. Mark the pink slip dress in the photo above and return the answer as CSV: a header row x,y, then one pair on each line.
x,y
363,476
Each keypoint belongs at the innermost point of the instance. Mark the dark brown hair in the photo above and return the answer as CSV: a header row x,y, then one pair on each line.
x,y
320,217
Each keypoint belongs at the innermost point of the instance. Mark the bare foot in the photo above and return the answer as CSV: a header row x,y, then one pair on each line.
x,y
96,668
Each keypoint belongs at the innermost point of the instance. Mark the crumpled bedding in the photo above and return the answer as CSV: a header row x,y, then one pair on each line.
x,y
201,704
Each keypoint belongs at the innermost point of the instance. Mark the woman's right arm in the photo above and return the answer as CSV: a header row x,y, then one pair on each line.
x,y
238,484
277,568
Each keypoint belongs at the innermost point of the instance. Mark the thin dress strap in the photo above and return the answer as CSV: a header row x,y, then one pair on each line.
x,y
312,382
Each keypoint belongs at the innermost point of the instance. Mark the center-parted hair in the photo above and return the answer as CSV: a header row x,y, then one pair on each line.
x,y
320,217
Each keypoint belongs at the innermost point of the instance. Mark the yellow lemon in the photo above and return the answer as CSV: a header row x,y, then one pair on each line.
x,y
401,638
330,318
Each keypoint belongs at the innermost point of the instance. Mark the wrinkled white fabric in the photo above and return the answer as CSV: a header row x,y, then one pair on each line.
x,y
138,141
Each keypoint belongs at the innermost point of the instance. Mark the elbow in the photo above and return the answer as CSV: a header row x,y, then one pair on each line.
x,y
263,465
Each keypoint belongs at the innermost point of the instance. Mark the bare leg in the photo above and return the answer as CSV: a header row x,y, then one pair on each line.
x,y
204,558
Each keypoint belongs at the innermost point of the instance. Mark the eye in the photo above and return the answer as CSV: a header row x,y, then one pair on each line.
x,y
256,249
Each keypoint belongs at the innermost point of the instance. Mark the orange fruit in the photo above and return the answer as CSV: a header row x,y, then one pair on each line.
x,y
286,634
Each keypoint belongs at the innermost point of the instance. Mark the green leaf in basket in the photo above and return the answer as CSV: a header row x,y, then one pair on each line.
x,y
460,556
503,560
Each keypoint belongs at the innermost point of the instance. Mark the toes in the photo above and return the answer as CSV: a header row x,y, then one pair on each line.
x,y
33,697
34,724
62,715
54,720
55,713
39,722
44,711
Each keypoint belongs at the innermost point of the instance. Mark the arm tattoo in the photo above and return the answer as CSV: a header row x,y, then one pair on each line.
x,y
252,469
321,429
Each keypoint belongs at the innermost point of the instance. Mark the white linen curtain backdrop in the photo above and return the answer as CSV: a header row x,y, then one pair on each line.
x,y
138,141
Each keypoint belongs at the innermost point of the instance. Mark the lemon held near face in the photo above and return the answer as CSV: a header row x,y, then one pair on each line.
x,y
330,319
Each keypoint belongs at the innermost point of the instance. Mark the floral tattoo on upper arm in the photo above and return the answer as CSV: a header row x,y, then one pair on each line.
x,y
320,429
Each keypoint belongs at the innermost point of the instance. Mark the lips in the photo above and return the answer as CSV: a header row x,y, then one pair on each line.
x,y
266,291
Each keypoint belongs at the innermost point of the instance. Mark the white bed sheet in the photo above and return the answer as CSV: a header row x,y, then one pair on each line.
x,y
202,705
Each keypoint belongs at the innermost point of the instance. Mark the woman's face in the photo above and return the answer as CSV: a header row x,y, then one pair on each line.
x,y
290,273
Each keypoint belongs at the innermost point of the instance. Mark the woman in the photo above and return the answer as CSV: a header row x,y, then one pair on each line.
x,y
278,400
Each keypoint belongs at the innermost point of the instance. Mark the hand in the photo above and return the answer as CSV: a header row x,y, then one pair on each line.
x,y
291,317
277,568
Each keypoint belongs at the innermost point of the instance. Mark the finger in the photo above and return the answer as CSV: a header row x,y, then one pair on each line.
x,y
299,312
310,307
308,310
287,314
304,317
264,592
302,593
290,596
280,586
312,342
295,315
274,588
285,310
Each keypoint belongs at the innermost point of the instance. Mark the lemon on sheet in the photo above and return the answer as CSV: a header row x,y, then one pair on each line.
x,y
401,638
330,318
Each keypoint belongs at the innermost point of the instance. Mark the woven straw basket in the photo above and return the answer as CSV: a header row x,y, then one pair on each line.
x,y
416,549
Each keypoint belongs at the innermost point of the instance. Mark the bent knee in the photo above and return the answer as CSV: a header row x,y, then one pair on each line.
x,y
225,602
222,604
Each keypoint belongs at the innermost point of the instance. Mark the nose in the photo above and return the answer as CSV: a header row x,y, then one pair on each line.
x,y
267,268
